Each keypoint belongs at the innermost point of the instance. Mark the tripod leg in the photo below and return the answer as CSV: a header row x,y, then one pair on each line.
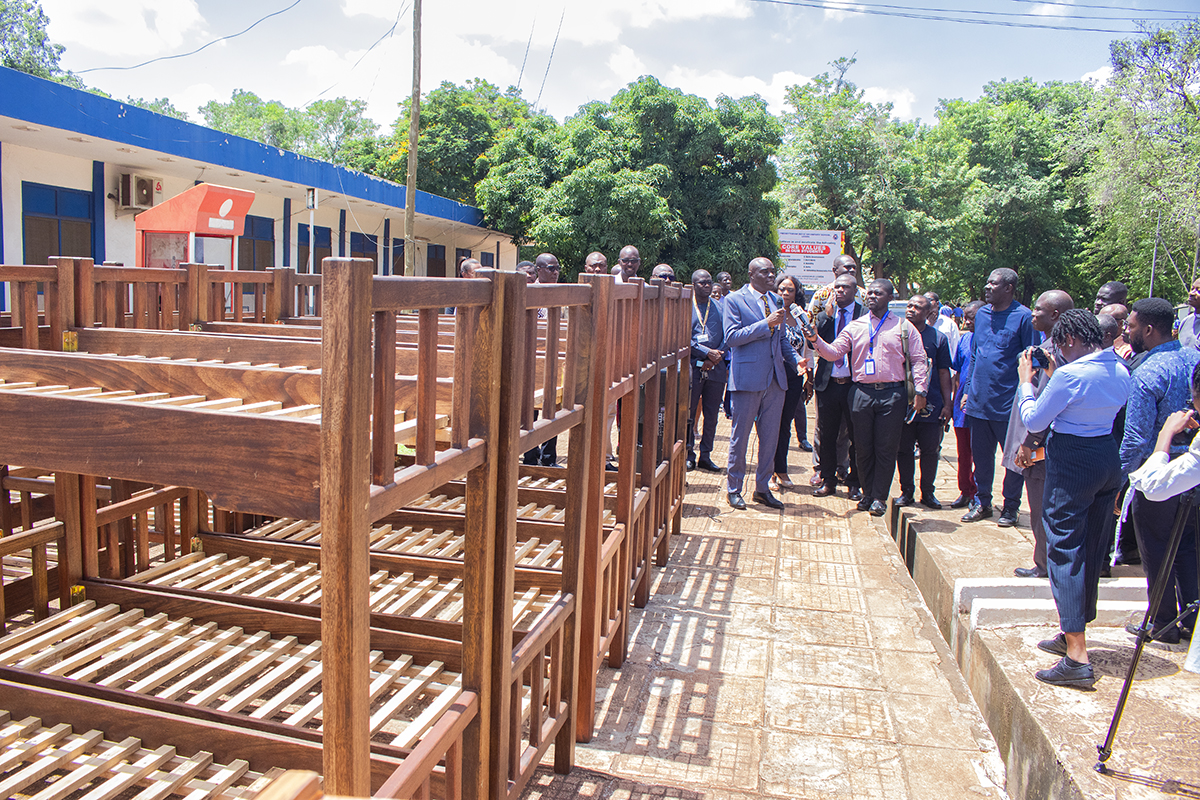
x,y
1186,503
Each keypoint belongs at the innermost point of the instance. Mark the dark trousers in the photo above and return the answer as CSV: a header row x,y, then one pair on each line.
x,y
926,433
986,436
706,397
791,401
1083,475
1035,490
877,412
545,454
833,410
966,474
1154,523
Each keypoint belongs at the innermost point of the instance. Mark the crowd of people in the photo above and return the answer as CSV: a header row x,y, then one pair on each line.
x,y
1091,411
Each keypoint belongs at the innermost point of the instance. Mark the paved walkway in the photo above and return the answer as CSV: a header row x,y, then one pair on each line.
x,y
782,655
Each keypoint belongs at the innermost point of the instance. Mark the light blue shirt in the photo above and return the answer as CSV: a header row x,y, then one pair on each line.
x,y
1082,398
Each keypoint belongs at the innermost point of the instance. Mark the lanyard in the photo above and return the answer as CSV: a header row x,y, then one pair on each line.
x,y
707,308
876,331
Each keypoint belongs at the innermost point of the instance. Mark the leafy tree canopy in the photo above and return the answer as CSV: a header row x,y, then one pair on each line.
x,y
25,45
684,181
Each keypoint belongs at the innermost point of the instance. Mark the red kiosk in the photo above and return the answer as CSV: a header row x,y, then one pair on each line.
x,y
200,225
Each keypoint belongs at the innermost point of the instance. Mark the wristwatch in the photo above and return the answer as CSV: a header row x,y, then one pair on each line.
x,y
922,394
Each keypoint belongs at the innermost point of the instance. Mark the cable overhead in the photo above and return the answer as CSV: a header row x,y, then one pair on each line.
x,y
198,49
550,60
877,10
367,52
527,45
855,6
1105,8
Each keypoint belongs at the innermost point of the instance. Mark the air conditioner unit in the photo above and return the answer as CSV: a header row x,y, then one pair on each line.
x,y
139,192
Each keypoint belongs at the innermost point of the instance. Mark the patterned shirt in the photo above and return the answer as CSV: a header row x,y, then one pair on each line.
x,y
1162,385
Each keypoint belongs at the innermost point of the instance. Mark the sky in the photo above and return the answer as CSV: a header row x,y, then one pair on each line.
x,y
565,54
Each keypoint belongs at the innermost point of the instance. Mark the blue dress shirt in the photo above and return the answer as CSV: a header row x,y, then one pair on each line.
x,y
1161,385
1000,337
1082,398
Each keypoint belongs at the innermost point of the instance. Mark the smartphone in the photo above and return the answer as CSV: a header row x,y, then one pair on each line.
x,y
912,415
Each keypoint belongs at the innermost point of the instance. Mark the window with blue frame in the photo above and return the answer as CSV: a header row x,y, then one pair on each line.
x,y
364,245
256,246
56,222
435,260
397,256
487,259
322,247
460,255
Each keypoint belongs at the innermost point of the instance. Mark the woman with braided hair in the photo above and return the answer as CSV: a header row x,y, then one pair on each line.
x,y
1083,474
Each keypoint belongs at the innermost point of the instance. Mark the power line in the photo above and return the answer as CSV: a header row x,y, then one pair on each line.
x,y
386,34
1104,8
528,43
1003,13
198,49
877,10
550,60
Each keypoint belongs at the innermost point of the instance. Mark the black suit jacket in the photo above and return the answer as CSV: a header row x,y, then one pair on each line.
x,y
826,326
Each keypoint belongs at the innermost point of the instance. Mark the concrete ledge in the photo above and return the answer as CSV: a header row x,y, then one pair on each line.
x,y
967,590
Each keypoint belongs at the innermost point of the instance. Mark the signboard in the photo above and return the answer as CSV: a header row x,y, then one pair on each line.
x,y
809,255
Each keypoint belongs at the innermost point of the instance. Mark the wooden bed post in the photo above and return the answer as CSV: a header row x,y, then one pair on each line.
x,y
345,494
277,295
64,313
85,293
596,399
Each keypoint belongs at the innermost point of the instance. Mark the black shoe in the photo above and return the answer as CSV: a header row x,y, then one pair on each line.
x,y
1068,673
855,494
707,465
1029,572
864,504
806,445
1128,561
878,509
1056,646
691,463
736,501
903,500
842,475
931,502
828,489
976,513
767,499
610,466
1161,635
1008,518
962,501
1106,571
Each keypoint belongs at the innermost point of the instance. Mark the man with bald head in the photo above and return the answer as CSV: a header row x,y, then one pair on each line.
x,y
708,370
467,268
1121,344
761,357
1022,448
596,263
630,260
1003,330
663,272
822,298
1113,292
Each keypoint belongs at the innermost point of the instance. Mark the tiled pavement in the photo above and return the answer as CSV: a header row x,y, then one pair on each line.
x,y
782,655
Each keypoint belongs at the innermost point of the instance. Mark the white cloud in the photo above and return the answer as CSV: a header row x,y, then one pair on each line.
x,y
1098,76
840,11
128,29
625,64
583,23
901,99
713,83
1051,10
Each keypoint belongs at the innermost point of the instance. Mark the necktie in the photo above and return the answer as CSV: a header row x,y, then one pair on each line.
x,y
766,307
841,323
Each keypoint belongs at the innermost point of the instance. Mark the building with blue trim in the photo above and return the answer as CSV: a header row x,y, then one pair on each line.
x,y
64,154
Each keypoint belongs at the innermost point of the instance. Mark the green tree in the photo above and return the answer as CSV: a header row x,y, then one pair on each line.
x,y
159,105
458,125
896,189
332,127
684,181
1146,133
267,121
25,45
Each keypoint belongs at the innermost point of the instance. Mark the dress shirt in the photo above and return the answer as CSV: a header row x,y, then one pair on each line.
x,y
948,328
855,339
842,317
1189,331
1162,477
961,363
1000,338
1161,386
1082,398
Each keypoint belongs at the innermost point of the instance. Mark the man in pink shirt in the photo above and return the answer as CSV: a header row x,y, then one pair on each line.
x,y
880,345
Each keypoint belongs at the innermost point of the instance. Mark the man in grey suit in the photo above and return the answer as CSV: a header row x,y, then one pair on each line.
x,y
760,359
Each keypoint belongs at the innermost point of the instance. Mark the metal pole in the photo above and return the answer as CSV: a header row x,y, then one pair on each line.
x,y
1154,258
414,118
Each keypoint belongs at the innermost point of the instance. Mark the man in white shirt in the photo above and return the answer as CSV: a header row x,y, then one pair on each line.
x,y
1189,328
943,323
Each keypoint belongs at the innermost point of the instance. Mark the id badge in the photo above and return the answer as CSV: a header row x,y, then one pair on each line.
x,y
702,337
869,367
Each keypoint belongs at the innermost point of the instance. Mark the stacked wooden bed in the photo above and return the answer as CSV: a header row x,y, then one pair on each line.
x,y
267,579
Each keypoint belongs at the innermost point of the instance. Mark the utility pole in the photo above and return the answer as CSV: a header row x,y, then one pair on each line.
x,y
414,121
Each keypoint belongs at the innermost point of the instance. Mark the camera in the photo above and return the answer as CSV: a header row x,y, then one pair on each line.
x,y
1041,359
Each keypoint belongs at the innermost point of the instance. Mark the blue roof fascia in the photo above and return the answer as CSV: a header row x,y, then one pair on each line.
x,y
42,102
